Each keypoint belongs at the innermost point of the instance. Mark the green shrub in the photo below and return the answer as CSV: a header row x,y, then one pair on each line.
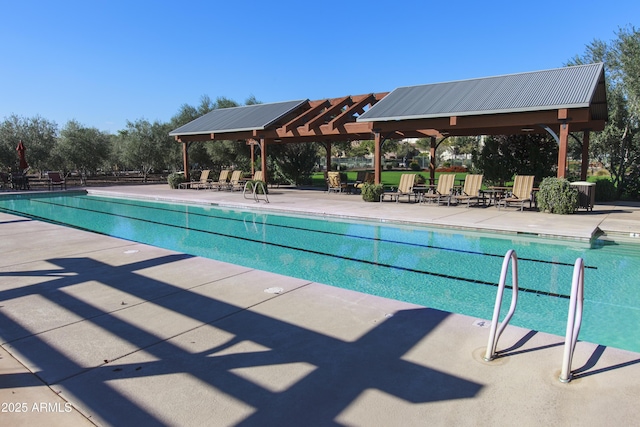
x,y
605,190
175,179
372,192
414,166
557,196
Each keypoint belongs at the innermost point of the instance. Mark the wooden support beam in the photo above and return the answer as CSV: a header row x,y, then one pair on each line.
x,y
321,117
453,120
585,155
263,160
232,136
348,114
185,161
432,161
198,137
377,159
563,114
304,117
562,151
327,146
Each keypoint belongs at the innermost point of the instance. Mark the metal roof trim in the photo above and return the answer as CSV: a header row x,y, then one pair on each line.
x,y
472,113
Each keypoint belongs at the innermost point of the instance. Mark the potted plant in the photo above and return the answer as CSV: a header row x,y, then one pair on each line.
x,y
557,196
175,179
372,192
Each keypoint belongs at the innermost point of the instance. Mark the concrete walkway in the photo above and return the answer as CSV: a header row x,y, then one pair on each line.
x,y
99,330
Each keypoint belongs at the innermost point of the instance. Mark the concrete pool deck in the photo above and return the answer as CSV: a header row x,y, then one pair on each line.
x,y
99,330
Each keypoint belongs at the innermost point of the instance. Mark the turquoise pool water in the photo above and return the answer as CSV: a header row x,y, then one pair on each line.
x,y
448,270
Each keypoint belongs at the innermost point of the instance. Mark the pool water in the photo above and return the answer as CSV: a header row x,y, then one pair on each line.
x,y
444,269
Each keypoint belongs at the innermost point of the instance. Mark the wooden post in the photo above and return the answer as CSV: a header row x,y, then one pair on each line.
x,y
585,155
327,147
263,158
562,151
377,160
253,157
432,160
185,160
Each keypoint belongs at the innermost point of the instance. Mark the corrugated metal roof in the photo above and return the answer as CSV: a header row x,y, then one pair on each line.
x,y
568,87
237,119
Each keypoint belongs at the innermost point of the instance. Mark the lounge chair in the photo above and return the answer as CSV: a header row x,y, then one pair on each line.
x,y
55,179
336,182
223,180
204,182
444,190
471,190
258,176
405,188
362,179
522,189
235,183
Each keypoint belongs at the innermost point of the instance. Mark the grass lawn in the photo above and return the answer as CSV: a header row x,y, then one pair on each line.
x,y
389,178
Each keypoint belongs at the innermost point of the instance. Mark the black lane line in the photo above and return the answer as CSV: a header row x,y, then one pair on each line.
x,y
363,261
288,227
342,257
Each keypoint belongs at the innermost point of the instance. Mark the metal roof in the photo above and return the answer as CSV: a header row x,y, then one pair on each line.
x,y
568,87
237,119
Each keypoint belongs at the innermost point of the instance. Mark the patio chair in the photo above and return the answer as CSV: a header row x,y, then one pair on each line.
x,y
444,190
258,176
336,182
471,190
522,189
235,183
55,179
362,179
204,182
405,188
223,180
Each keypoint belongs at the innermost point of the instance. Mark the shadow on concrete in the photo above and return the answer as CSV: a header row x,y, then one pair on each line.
x,y
584,371
341,372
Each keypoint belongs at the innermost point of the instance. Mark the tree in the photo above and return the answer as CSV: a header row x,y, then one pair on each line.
x,y
294,161
502,157
38,135
618,146
214,154
198,155
145,145
81,148
406,150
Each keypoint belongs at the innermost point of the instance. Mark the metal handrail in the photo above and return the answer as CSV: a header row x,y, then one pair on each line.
x,y
574,319
254,190
494,335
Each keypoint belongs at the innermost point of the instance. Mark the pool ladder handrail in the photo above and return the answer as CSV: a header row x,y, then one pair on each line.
x,y
494,334
255,185
574,319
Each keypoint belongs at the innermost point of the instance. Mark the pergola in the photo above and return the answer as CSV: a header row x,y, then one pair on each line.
x,y
561,102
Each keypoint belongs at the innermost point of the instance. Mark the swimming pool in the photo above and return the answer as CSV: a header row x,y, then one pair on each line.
x,y
444,269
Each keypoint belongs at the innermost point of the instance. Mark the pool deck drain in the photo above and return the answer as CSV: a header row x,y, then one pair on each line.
x,y
99,330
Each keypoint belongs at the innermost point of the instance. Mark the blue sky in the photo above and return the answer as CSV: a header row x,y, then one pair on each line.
x,y
105,62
